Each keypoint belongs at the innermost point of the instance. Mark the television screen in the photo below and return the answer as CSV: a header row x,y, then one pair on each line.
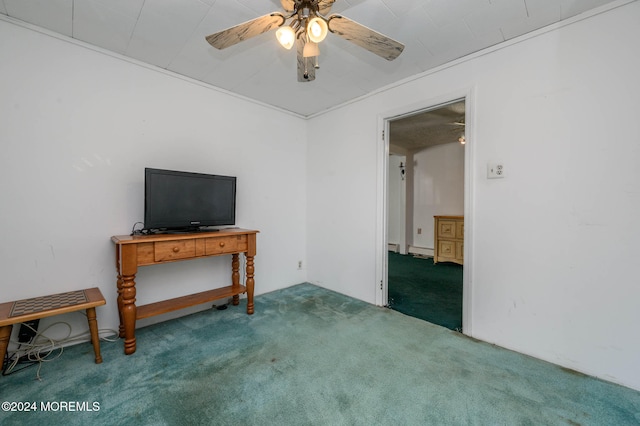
x,y
176,200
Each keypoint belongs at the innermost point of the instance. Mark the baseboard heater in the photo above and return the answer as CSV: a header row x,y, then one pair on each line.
x,y
421,251
394,247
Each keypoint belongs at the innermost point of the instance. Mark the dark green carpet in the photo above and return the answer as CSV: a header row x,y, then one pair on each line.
x,y
309,356
423,290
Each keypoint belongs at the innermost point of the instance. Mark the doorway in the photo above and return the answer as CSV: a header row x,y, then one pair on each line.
x,y
426,177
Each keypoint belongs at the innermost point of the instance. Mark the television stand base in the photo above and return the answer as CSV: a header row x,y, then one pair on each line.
x,y
133,251
182,231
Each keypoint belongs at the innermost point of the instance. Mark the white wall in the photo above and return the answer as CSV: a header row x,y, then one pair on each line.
x,y
437,176
554,244
78,128
438,188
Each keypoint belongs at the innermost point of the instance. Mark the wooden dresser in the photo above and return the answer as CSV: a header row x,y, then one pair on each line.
x,y
448,245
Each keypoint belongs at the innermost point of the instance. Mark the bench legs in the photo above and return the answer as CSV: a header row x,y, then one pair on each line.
x,y
95,338
5,334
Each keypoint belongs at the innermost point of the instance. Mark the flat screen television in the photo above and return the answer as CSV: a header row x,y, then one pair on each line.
x,y
185,201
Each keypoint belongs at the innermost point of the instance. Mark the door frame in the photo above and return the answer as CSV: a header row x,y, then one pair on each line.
x,y
381,284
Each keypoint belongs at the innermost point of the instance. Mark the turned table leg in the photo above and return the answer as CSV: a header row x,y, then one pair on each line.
x,y
250,284
235,276
128,313
95,337
127,296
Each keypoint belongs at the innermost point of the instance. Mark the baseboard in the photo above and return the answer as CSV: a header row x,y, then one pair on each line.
x,y
421,251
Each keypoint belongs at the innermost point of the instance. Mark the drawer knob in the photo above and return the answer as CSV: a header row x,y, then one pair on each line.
x,y
176,249
222,244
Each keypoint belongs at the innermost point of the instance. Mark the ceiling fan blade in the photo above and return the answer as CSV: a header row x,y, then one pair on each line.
x,y
246,30
306,70
288,5
364,37
324,6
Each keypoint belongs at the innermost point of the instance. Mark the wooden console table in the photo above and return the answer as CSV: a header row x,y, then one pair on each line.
x,y
142,250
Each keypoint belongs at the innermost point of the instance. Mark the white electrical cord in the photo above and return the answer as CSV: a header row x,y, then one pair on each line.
x,y
42,344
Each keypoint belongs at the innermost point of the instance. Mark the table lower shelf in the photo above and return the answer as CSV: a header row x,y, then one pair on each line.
x,y
182,302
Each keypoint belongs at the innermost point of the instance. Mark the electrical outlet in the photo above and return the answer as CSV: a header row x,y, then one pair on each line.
x,y
299,264
419,231
495,171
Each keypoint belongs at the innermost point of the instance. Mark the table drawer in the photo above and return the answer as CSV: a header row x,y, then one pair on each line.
x,y
447,249
231,244
446,229
172,250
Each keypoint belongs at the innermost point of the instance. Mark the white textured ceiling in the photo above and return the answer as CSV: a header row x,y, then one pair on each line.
x,y
171,34
445,124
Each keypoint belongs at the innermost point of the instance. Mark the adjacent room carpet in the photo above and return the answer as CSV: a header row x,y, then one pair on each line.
x,y
423,290
309,356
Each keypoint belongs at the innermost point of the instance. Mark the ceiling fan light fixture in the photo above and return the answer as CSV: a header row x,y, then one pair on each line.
x,y
303,22
310,50
286,37
317,29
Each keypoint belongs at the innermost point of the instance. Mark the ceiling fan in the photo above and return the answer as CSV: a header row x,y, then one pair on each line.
x,y
306,26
